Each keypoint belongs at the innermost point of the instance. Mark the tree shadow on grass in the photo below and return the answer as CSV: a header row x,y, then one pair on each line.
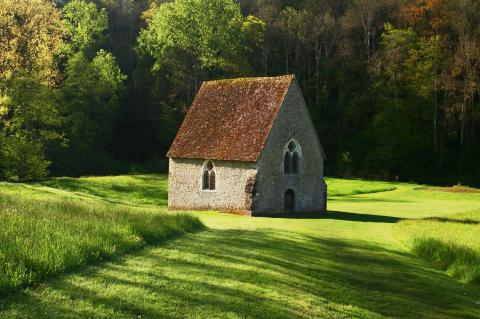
x,y
359,199
254,274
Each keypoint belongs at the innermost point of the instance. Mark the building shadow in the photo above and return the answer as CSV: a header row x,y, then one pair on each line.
x,y
452,220
347,216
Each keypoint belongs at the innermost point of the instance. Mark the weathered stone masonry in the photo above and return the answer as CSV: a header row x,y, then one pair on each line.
x,y
292,122
185,186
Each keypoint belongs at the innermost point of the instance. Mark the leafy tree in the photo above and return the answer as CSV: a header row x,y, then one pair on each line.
x,y
213,35
31,127
425,68
293,24
396,47
86,27
23,158
91,94
407,71
30,37
92,87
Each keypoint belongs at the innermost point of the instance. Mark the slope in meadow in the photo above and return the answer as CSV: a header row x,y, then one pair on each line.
x,y
40,238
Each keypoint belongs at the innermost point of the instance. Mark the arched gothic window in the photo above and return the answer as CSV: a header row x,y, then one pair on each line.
x,y
291,158
208,176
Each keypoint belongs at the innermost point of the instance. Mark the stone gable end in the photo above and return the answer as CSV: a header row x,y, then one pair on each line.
x,y
292,123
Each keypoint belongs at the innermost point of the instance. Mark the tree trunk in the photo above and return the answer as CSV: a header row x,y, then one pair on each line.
x,y
435,118
286,57
265,59
317,72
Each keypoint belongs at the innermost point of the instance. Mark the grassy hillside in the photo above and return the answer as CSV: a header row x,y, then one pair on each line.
x,y
42,237
131,190
134,189
353,262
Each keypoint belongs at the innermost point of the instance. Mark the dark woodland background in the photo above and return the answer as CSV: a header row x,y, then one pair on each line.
x,y
101,87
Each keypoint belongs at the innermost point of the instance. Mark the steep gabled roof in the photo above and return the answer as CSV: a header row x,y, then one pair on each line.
x,y
231,119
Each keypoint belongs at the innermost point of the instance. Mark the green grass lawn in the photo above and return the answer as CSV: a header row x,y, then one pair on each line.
x,y
134,189
356,261
131,190
43,237
452,243
343,187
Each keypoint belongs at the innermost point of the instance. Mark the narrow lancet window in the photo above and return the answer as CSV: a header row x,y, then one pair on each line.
x,y
208,176
295,163
287,163
212,180
205,179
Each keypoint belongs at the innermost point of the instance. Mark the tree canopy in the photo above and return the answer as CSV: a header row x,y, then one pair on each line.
x,y
101,86
85,25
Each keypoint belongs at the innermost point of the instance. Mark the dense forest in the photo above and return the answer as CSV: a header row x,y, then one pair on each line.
x,y
101,87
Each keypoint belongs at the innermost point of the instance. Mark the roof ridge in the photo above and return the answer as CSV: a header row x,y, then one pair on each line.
x,y
252,78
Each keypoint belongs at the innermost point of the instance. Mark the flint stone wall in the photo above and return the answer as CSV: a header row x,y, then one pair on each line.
x,y
231,193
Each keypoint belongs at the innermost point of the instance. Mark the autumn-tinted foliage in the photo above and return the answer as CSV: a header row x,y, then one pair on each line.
x,y
392,86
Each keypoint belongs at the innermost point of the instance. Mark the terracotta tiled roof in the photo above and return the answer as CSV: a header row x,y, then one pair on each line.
x,y
230,119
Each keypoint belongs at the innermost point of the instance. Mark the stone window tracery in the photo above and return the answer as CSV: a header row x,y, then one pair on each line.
x,y
208,176
291,158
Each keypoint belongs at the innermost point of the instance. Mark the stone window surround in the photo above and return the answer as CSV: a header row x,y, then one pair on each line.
x,y
297,149
205,163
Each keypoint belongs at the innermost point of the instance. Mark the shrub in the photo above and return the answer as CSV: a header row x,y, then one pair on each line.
x,y
22,159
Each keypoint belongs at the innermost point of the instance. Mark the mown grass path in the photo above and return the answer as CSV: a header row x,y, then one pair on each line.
x,y
345,264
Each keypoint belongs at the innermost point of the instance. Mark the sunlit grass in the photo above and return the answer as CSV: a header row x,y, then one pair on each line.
x,y
452,242
40,238
343,187
351,262
131,189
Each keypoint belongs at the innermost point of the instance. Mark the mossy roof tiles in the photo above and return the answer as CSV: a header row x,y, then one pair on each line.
x,y
230,119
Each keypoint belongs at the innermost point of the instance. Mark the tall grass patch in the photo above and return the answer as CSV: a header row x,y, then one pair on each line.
x,y
452,243
458,261
40,238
